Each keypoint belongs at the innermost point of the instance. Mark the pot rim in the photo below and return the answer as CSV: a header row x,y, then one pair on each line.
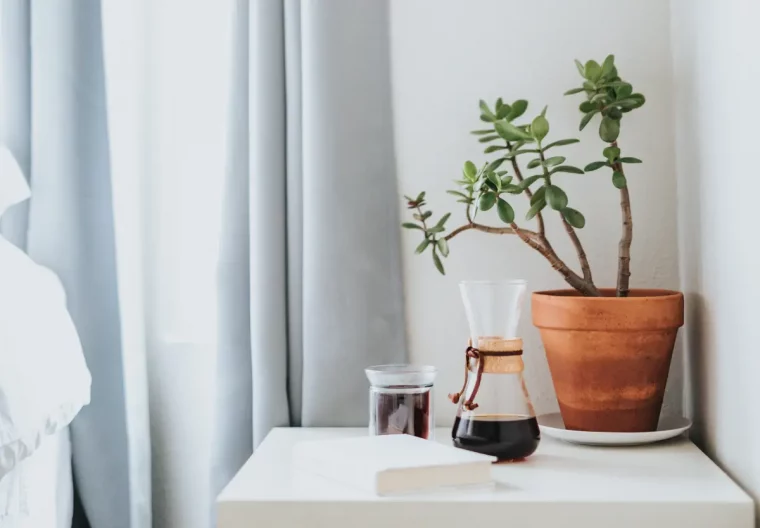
x,y
639,294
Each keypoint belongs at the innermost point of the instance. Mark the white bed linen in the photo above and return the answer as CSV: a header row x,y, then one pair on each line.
x,y
48,492
43,381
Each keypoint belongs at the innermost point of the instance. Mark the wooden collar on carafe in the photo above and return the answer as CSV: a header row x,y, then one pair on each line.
x,y
493,355
499,355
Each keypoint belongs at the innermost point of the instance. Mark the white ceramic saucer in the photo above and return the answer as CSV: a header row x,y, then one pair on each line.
x,y
669,427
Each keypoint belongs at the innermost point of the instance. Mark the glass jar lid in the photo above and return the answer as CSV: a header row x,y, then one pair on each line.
x,y
400,375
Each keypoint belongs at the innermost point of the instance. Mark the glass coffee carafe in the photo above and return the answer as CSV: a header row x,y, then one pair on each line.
x,y
495,416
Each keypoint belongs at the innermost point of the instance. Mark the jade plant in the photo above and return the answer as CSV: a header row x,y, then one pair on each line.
x,y
492,185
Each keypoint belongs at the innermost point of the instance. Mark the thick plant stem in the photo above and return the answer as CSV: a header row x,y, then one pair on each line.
x,y
488,229
582,259
573,279
540,244
624,247
585,266
528,192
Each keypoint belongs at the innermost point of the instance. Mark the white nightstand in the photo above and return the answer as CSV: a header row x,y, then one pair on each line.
x,y
672,484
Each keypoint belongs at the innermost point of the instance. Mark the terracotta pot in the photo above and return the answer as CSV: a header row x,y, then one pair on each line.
x,y
609,357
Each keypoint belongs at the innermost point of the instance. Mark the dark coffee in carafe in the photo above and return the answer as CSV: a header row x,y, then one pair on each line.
x,y
507,437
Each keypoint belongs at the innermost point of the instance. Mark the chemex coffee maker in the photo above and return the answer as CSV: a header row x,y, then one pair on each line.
x,y
495,415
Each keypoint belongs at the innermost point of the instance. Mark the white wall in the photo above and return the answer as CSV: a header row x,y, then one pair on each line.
x,y
715,70
449,54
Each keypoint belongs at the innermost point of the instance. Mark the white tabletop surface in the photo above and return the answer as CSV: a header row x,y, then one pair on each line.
x,y
670,484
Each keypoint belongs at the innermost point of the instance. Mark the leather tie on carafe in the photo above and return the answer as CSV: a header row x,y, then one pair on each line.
x,y
478,355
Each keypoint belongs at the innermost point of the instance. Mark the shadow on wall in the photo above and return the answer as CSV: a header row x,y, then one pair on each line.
x,y
694,364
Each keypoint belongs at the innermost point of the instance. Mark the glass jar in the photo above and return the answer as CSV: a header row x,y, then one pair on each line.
x,y
401,400
495,415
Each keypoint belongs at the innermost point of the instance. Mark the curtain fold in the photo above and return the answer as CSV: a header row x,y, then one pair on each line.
x,y
352,295
15,104
215,184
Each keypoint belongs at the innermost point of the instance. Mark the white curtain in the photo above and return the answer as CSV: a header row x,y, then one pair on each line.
x,y
214,183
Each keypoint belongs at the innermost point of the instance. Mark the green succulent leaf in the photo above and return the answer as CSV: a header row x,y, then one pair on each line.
x,y
615,112
556,197
411,225
554,160
593,70
443,219
506,180
512,189
594,165
535,209
493,148
443,246
420,197
486,139
539,128
518,108
458,194
618,180
487,201
438,263
470,170
481,132
623,91
487,118
573,91
608,65
586,106
632,101
573,217
611,153
493,178
627,104
485,110
587,118
609,129
510,132
538,195
495,164
436,229
516,153
532,164
566,168
612,84
580,67
423,246
561,142
629,160
502,111
506,213
530,180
